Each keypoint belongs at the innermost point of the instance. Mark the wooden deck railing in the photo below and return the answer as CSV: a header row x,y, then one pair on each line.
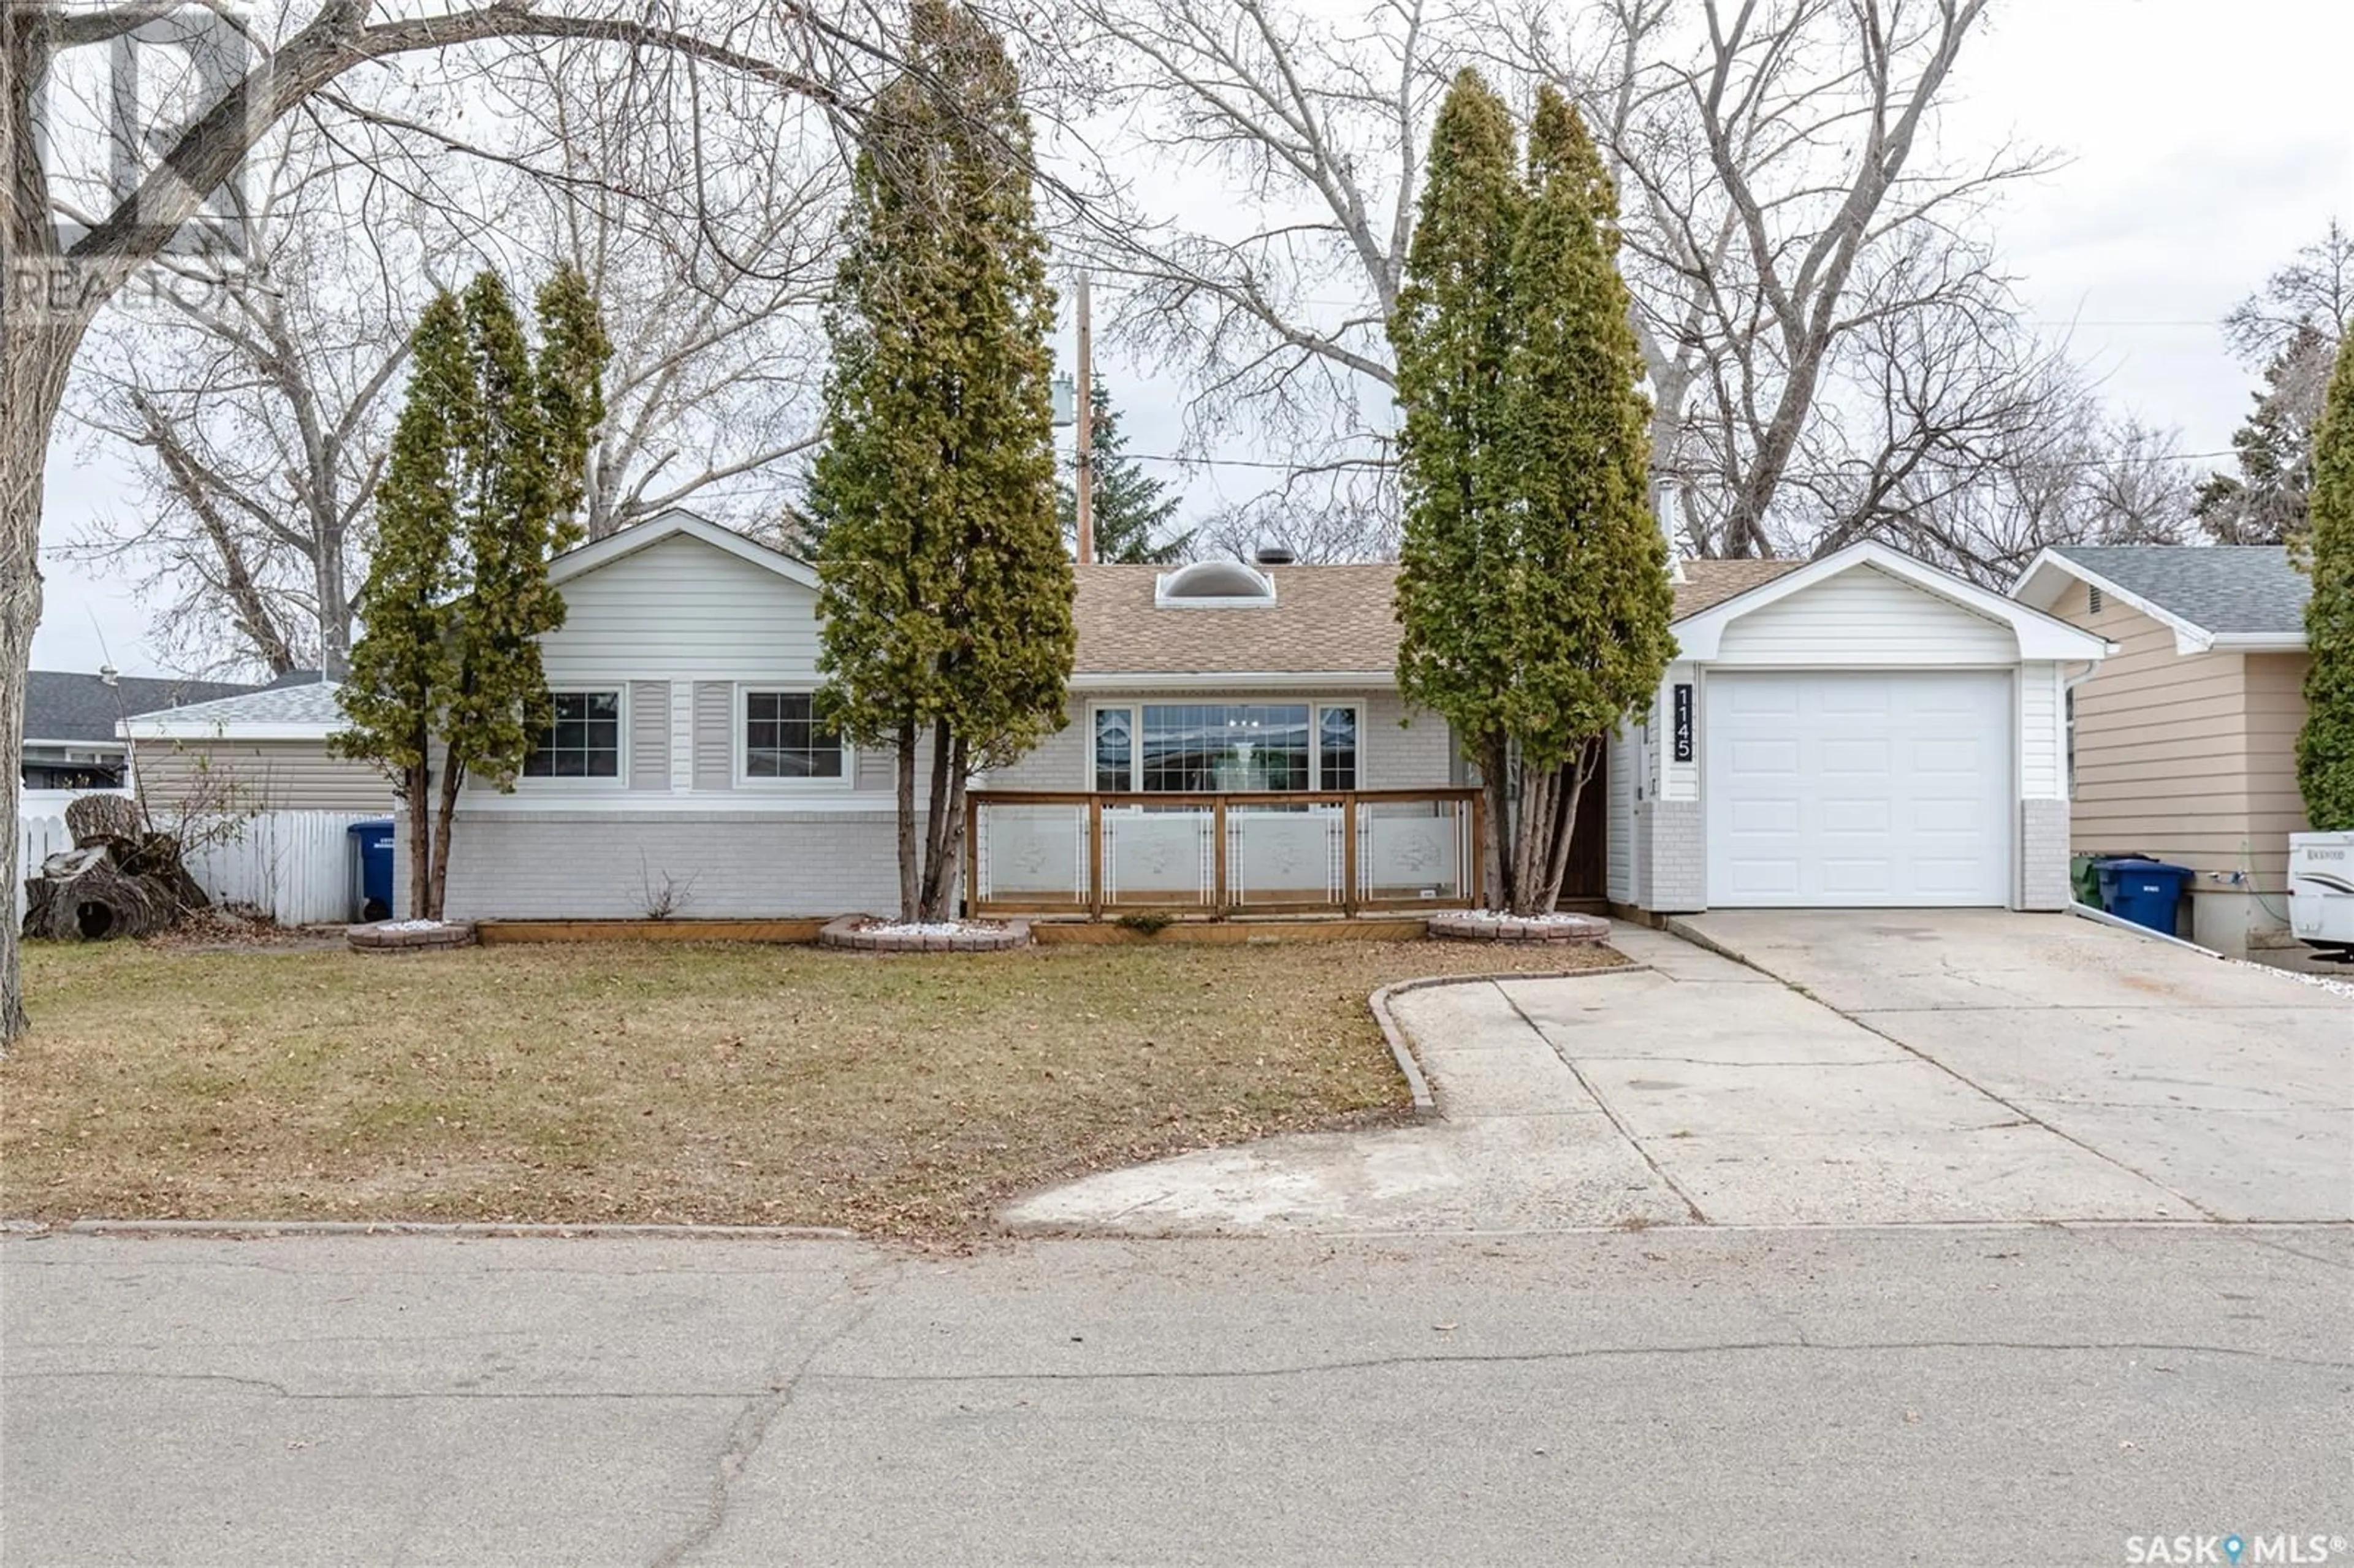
x,y
1326,852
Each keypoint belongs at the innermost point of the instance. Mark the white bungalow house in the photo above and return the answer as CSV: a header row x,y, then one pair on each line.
x,y
1863,729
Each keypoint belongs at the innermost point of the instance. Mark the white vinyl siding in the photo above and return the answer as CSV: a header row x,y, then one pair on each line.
x,y
2042,732
1619,875
681,610
1676,780
1864,616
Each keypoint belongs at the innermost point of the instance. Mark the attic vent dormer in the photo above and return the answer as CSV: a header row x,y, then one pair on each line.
x,y
1214,585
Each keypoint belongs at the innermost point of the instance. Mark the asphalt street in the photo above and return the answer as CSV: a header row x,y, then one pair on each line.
x,y
1929,1394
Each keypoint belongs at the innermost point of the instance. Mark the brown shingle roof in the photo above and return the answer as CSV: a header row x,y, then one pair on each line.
x,y
1325,620
1708,584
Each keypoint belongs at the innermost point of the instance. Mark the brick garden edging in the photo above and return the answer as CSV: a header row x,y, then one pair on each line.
x,y
378,938
1467,927
844,932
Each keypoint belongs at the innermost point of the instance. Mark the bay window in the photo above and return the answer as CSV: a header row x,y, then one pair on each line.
x,y
1198,749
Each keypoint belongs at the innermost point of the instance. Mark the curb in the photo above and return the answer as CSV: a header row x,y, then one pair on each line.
x,y
457,1228
2102,917
1402,1048
1676,927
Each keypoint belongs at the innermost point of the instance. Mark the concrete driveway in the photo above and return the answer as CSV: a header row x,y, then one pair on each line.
x,y
1858,1069
2229,1087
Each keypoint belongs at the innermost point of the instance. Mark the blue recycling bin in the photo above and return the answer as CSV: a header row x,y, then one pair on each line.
x,y
2145,892
373,842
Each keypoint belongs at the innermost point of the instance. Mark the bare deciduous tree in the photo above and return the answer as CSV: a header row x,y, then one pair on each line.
x,y
256,396
56,279
1307,136
1789,220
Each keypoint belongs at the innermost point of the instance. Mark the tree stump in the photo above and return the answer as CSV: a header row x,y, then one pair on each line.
x,y
120,880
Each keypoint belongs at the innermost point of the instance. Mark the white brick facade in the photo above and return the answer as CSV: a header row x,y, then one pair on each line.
x,y
519,865
2043,855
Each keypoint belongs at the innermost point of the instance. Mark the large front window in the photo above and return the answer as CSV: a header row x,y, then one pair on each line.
x,y
582,741
1198,749
783,739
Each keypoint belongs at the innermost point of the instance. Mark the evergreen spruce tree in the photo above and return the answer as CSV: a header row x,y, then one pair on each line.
x,y
945,589
1130,517
1533,588
2325,747
488,466
2267,502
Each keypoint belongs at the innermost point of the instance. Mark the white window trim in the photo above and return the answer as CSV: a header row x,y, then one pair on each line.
x,y
620,781
846,782
1316,706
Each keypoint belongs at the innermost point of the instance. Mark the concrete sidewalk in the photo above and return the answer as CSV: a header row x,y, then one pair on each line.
x,y
1521,1146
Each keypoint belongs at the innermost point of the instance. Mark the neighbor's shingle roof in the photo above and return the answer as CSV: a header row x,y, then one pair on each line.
x,y
66,704
1324,619
2217,587
312,703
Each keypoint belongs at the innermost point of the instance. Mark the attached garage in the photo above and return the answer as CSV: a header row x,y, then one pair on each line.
x,y
1860,731
1879,786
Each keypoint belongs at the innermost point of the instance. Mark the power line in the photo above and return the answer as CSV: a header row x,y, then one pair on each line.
x,y
1379,463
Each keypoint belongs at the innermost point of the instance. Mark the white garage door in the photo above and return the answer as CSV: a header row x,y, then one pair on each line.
x,y
1878,788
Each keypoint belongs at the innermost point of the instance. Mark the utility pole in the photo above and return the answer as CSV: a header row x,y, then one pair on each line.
x,y
1083,415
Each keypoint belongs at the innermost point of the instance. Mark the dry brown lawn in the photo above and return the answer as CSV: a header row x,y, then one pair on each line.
x,y
787,1086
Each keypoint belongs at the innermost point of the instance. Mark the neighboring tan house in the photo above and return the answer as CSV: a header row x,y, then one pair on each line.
x,y
257,751
2185,743
70,719
1860,730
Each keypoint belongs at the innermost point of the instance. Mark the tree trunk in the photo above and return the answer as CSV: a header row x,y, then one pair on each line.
x,y
417,794
335,606
942,873
908,885
453,778
1495,832
39,334
1569,787
935,812
1531,846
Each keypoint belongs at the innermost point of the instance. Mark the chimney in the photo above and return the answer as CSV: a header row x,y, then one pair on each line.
x,y
1659,516
1275,556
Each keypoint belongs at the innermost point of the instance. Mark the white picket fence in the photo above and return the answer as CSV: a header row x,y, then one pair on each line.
x,y
299,866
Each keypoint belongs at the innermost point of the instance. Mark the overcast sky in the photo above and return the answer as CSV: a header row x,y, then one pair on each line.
x,y
2207,141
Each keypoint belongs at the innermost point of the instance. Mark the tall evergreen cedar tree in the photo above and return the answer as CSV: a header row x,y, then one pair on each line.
x,y
943,586
2325,747
487,469
1533,586
1131,518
